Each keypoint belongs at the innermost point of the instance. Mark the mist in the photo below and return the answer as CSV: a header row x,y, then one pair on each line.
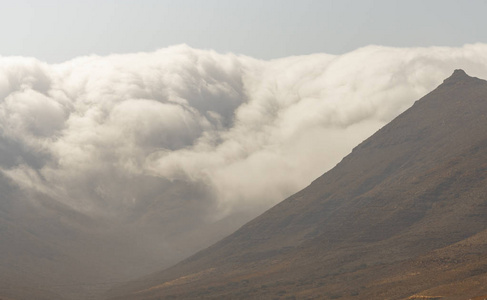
x,y
178,147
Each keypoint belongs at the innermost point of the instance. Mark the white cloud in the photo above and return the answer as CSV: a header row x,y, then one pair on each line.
x,y
222,132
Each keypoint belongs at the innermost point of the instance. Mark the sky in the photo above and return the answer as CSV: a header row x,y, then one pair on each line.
x,y
58,30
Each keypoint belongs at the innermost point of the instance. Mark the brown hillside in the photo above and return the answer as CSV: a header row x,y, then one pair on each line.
x,y
404,216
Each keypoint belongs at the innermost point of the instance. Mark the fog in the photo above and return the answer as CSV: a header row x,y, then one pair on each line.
x,y
181,146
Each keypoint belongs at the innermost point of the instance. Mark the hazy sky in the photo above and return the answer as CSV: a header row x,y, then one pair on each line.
x,y
58,30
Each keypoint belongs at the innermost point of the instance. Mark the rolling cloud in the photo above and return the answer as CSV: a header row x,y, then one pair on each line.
x,y
197,135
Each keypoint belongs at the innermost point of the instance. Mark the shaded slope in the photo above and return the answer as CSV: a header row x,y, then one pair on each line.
x,y
407,194
41,246
49,250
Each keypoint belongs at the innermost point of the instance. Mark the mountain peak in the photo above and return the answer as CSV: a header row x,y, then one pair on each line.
x,y
458,75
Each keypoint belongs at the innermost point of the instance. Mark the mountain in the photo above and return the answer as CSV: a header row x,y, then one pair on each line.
x,y
28,259
50,250
404,216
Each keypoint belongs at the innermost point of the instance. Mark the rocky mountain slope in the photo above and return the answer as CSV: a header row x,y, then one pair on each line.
x,y
404,216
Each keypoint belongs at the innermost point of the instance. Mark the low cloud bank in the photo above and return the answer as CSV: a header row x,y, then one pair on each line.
x,y
228,134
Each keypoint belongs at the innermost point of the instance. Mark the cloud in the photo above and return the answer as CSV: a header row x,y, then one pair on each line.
x,y
197,136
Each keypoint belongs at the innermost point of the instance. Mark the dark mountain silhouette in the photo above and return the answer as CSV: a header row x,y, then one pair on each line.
x,y
404,216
